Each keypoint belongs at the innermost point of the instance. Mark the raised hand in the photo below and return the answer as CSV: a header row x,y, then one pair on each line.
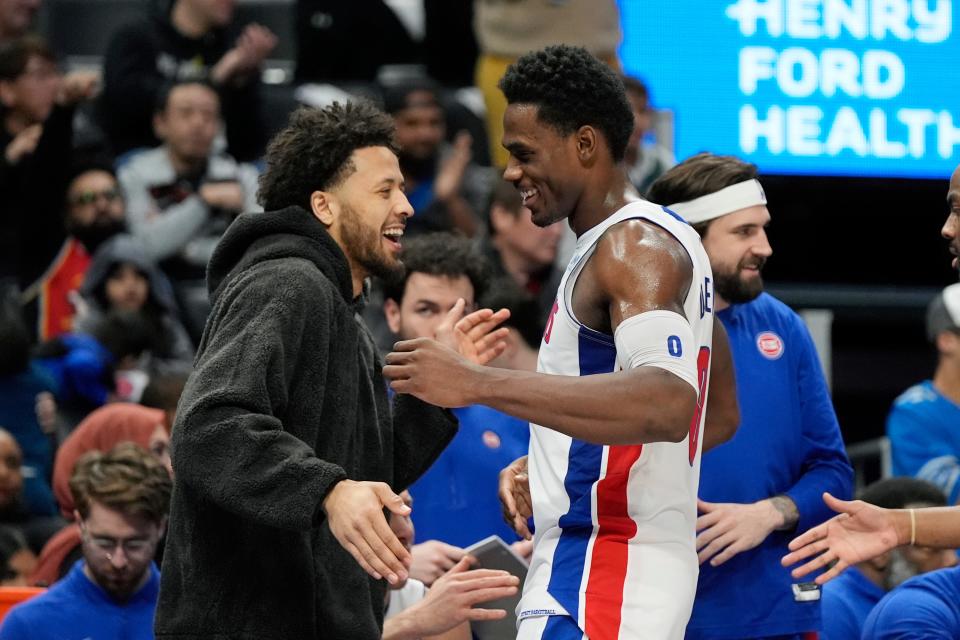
x,y
861,531
515,496
474,336
355,516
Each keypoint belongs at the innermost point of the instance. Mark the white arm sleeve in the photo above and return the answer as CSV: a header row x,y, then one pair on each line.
x,y
661,339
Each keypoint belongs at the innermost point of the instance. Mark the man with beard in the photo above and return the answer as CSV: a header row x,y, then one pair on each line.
x,y
285,453
122,498
446,190
766,482
53,266
848,600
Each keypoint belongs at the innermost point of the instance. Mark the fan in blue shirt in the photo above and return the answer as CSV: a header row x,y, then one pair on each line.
x,y
122,498
923,423
765,484
925,608
455,501
848,600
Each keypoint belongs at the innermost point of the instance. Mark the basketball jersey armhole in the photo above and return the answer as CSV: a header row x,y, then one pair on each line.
x,y
566,295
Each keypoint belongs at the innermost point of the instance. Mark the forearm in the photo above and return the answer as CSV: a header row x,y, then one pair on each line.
x,y
638,406
402,626
165,234
937,527
787,513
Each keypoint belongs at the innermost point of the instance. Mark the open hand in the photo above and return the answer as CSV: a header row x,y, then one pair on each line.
x,y
475,336
450,176
452,598
355,516
861,531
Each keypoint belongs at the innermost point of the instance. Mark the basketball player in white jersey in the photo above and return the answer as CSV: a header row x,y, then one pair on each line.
x,y
618,403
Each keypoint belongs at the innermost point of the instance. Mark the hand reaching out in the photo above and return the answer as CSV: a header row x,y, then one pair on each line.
x,y
355,516
861,531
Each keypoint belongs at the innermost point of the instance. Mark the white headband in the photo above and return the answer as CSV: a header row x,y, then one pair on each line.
x,y
738,196
951,300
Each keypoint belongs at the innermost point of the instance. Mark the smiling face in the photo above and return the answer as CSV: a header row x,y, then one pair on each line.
x,y
951,228
367,212
543,165
738,248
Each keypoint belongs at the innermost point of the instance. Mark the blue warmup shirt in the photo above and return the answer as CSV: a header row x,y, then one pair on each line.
x,y
77,609
788,443
845,604
924,431
456,500
923,608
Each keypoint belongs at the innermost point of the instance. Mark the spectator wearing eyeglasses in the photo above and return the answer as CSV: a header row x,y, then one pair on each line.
x,y
36,136
53,269
122,499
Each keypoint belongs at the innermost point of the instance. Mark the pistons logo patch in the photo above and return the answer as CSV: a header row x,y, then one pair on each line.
x,y
491,439
770,345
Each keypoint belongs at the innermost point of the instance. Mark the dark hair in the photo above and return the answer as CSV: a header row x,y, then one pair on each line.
x,y
128,478
506,196
440,254
15,55
897,493
396,97
570,89
163,97
697,176
12,541
636,86
313,152
164,391
127,333
14,335
86,163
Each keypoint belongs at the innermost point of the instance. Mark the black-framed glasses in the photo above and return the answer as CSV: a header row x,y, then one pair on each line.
x,y
89,197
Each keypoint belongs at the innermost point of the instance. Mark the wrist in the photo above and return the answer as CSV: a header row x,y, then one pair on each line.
x,y
773,518
902,526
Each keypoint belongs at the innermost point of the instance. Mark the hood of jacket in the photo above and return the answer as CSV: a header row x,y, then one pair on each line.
x,y
125,249
292,232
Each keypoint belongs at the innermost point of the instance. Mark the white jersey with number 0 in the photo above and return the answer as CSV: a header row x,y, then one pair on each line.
x,y
614,537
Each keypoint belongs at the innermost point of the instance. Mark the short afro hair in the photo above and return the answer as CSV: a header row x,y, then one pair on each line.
x,y
313,152
571,88
441,254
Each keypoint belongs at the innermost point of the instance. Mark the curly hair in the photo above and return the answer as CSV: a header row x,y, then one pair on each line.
x,y
313,152
571,88
440,254
126,478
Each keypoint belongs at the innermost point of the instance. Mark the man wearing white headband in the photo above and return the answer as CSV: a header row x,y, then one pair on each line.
x,y
765,484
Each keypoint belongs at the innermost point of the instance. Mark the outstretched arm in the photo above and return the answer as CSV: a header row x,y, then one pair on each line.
x,y
863,531
636,268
